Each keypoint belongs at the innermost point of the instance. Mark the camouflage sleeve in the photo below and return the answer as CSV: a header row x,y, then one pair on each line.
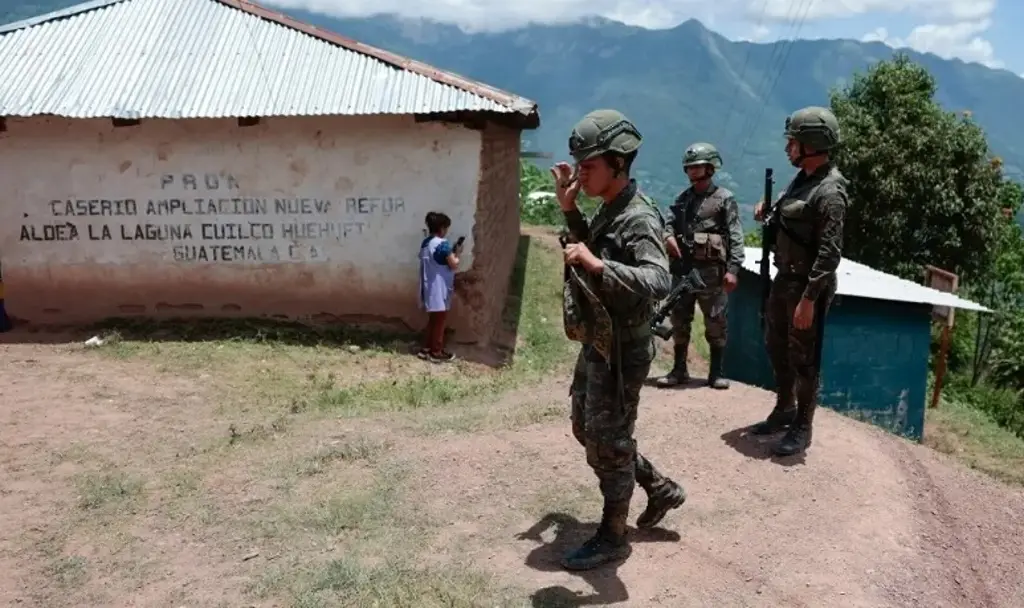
x,y
735,227
668,220
577,225
648,275
832,201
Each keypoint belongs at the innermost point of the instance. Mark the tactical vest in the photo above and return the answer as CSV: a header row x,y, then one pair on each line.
x,y
796,244
585,318
710,230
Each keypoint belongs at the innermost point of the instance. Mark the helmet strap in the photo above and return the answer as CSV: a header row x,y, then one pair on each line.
x,y
705,180
804,154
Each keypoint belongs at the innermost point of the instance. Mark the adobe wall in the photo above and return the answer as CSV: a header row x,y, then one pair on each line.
x,y
305,218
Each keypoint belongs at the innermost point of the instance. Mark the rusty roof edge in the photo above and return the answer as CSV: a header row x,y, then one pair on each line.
x,y
512,101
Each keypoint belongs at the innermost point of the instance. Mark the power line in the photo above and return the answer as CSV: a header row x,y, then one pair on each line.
x,y
778,72
777,49
742,74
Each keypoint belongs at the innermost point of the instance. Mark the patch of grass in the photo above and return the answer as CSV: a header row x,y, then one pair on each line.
x,y
543,347
184,483
68,571
340,450
373,510
350,582
476,419
974,438
75,453
108,490
407,393
347,370
257,431
697,335
372,537
138,332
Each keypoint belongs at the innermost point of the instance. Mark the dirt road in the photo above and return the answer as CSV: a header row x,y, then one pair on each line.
x,y
866,520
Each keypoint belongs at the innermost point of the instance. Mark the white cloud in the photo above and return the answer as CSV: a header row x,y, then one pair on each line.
x,y
758,34
954,28
506,14
813,10
476,15
962,40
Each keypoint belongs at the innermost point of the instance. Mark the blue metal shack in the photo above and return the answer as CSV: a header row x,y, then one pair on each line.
x,y
877,344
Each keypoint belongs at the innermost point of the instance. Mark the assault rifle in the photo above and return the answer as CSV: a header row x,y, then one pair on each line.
x,y
770,226
768,232
689,283
690,280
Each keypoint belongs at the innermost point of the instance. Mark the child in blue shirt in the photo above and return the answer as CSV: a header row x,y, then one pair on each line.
x,y
438,262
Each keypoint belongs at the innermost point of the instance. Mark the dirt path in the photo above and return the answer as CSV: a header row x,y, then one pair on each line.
x,y
867,520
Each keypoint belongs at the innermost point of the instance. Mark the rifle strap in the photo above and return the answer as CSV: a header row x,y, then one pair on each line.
x,y
798,239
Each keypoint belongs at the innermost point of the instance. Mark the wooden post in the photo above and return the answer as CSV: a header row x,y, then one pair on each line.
x,y
941,280
940,371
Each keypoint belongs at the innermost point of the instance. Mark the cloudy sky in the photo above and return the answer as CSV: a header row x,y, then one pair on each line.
x,y
974,30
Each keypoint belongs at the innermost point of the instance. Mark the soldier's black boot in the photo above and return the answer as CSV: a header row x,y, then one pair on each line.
x,y
782,417
798,438
663,499
679,374
715,373
608,545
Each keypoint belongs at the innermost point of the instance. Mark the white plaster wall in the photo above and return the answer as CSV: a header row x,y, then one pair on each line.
x,y
307,202
363,186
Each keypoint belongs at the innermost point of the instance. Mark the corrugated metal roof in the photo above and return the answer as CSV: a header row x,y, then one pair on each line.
x,y
217,58
856,279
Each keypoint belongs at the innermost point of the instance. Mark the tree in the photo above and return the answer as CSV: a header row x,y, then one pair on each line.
x,y
919,175
541,209
537,209
1003,336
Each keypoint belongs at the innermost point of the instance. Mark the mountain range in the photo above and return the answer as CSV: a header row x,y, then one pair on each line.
x,y
679,85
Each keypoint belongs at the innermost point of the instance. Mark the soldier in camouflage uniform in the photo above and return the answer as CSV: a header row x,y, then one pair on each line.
x,y
717,253
616,272
809,216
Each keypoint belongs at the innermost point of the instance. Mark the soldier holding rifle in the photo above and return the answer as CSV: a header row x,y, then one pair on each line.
x,y
804,228
616,269
704,234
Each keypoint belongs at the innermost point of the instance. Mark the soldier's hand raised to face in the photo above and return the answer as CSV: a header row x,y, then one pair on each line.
x,y
567,186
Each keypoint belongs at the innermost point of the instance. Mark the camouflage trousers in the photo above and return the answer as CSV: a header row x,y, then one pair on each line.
x,y
714,304
791,350
603,421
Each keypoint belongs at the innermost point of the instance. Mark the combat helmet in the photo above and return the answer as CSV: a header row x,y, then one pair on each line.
x,y
603,131
702,154
815,127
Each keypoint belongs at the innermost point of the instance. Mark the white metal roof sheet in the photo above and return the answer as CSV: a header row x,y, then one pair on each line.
x,y
216,58
856,279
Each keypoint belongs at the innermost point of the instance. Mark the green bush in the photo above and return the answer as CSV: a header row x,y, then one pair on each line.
x,y
1004,406
543,211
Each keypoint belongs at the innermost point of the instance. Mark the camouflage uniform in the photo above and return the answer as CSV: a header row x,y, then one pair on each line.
x,y
809,216
610,314
717,249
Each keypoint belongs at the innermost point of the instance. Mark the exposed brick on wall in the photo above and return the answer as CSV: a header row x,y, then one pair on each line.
x,y
481,291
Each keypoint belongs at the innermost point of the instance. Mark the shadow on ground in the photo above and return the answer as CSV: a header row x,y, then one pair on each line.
x,y
569,534
695,382
759,446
